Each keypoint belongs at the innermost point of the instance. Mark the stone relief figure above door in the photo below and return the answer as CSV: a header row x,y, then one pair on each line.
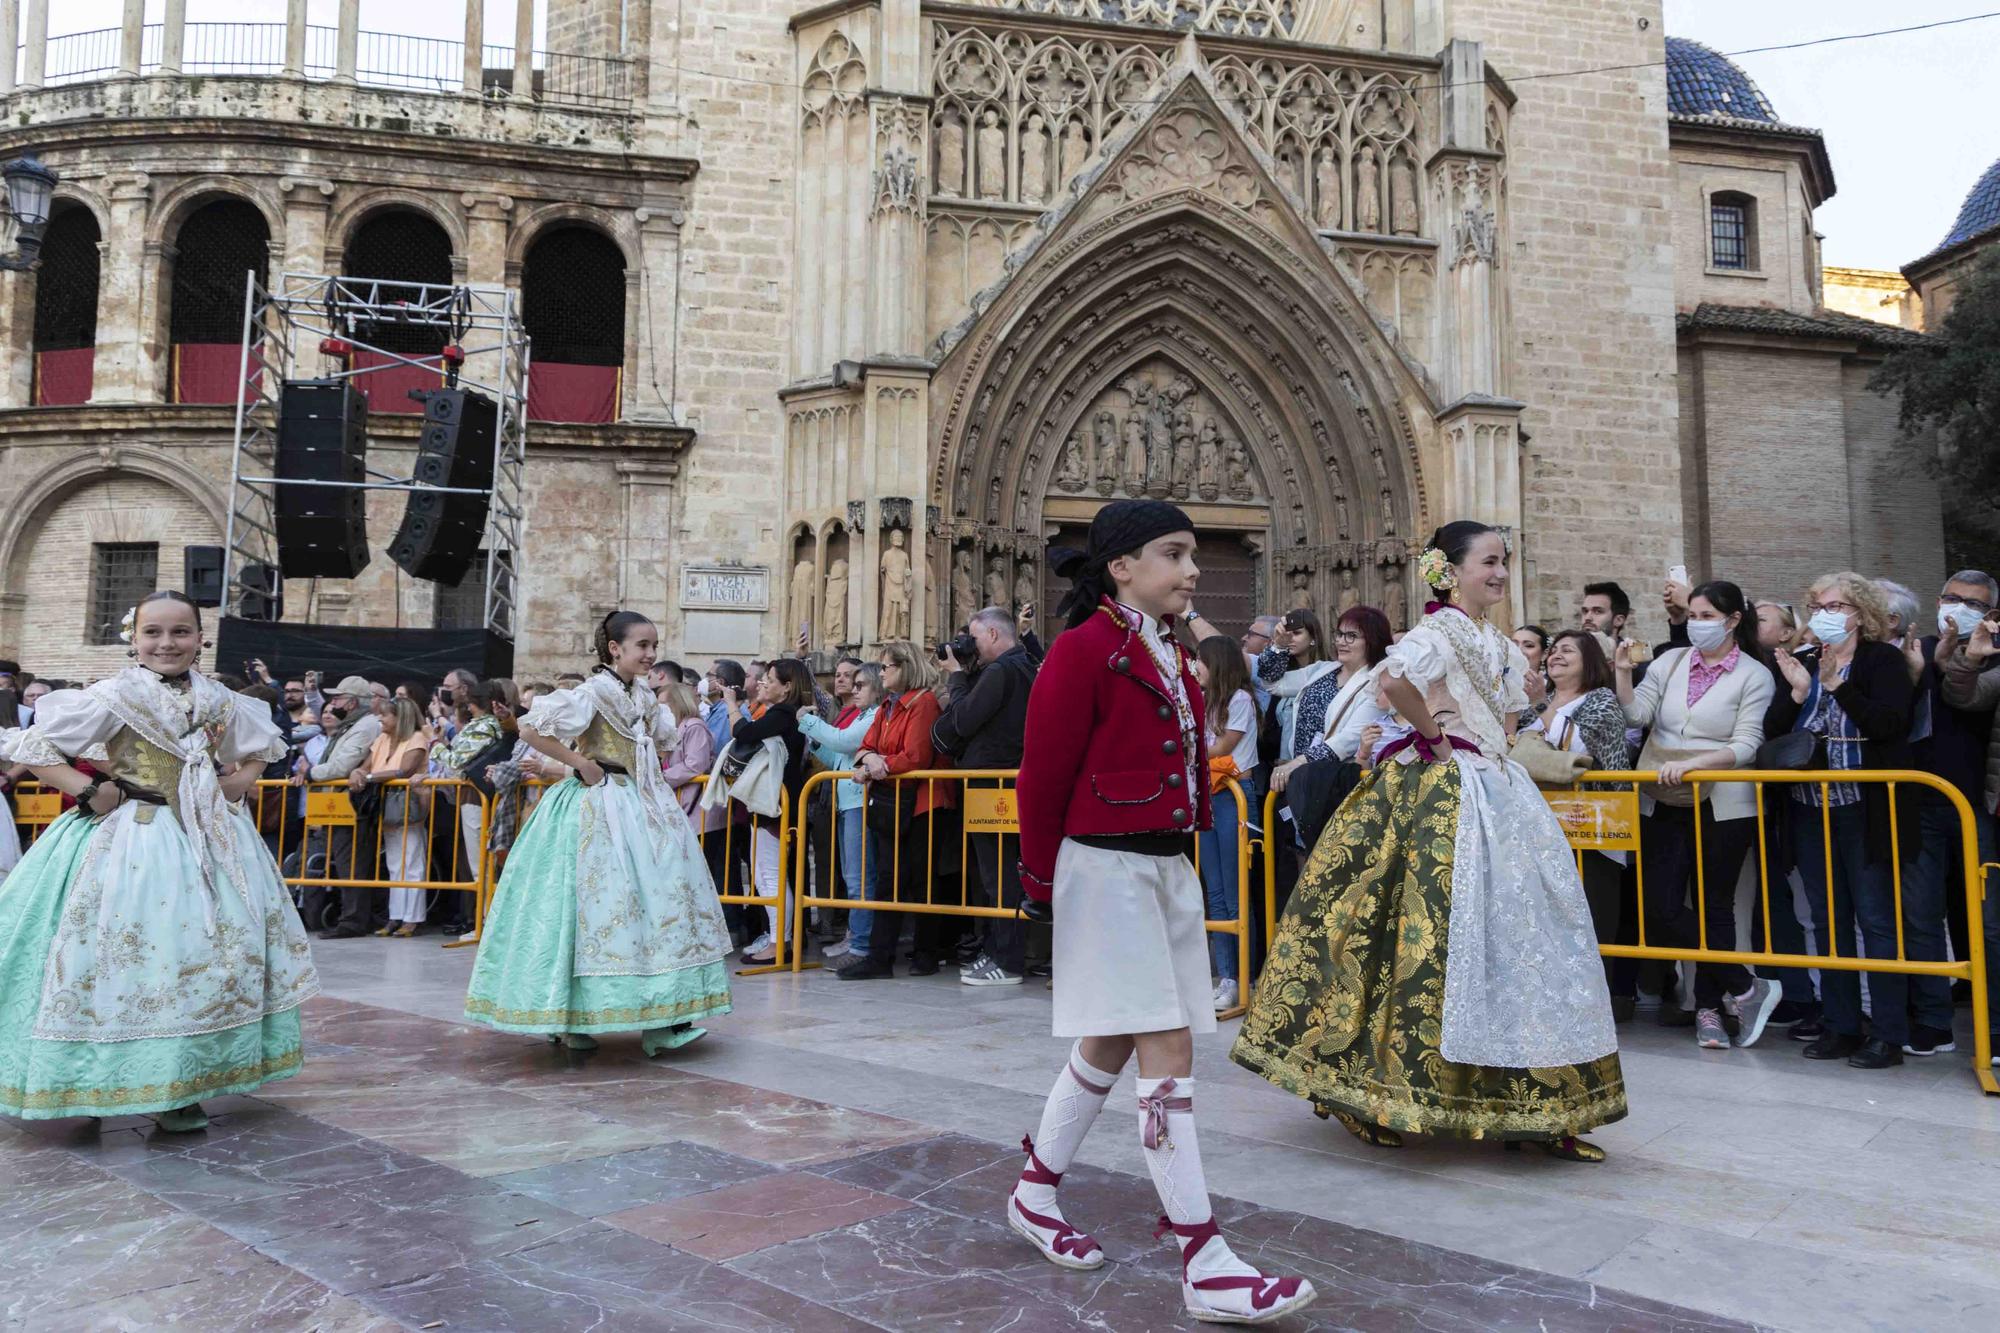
x,y
1154,433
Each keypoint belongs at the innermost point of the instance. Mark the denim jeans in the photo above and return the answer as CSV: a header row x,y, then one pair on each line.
x,y
1218,880
1864,897
1931,870
853,834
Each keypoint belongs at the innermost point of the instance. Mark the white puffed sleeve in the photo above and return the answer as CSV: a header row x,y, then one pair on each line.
x,y
666,731
561,714
251,734
67,723
1420,658
1512,685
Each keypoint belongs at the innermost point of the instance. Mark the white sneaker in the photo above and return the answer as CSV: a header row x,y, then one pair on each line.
x,y
761,944
983,971
1225,994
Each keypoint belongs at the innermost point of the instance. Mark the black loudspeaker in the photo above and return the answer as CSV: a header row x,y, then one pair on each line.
x,y
322,436
201,574
440,533
263,591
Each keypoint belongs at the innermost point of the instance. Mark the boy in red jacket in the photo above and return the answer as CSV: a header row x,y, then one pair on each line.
x,y
1114,781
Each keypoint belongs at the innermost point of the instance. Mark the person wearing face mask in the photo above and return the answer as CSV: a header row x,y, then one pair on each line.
x,y
1947,739
1852,692
1972,683
352,701
1706,707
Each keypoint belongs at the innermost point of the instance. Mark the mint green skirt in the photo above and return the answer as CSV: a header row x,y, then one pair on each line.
x,y
526,979
42,1079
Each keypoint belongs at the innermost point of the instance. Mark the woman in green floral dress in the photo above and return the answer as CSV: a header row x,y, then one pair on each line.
x,y
1436,970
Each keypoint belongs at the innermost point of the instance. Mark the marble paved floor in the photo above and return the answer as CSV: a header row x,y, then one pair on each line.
x,y
832,1157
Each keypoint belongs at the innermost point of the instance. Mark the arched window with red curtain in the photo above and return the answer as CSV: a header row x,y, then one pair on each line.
x,y
573,304
391,253
216,250
65,342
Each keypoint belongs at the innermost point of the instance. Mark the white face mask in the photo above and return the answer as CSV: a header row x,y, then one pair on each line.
x,y
1962,616
1829,627
1708,635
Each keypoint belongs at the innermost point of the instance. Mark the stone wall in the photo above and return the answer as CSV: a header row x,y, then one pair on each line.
x,y
1872,293
1782,268
1592,291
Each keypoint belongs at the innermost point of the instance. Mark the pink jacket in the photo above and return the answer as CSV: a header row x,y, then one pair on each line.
x,y
694,757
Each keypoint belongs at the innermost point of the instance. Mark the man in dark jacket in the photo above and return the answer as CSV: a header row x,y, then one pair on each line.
x,y
982,727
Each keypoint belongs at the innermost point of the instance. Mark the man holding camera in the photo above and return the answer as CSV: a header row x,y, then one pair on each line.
x,y
982,727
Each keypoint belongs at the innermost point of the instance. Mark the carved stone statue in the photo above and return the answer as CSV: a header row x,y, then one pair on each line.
x,y
1239,471
833,630
1159,445
1395,600
1350,597
1388,512
1367,191
950,155
1075,149
1208,462
805,599
964,597
992,157
1132,470
1071,474
1403,197
996,581
1184,447
1328,180
898,582
1302,598
1104,464
1024,584
1034,161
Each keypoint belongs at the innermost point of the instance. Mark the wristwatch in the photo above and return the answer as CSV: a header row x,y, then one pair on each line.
x,y
88,795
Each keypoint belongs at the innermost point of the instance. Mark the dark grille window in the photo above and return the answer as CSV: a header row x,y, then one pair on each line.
x,y
120,574
1729,232
464,606
66,285
405,245
214,250
573,297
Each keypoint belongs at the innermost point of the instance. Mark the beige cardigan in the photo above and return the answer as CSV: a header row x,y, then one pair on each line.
x,y
1730,716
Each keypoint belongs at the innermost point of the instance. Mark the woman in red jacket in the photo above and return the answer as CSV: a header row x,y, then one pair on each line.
x,y
1114,781
913,822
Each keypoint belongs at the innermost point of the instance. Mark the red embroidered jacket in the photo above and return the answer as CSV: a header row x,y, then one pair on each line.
x,y
1103,752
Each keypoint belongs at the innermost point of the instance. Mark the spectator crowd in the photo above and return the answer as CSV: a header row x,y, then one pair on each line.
x,y
1859,674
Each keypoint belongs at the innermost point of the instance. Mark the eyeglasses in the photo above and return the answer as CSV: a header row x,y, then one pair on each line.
x,y
1953,599
1347,636
1838,608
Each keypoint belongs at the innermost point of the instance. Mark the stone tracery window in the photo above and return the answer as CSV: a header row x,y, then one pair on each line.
x,y
1235,18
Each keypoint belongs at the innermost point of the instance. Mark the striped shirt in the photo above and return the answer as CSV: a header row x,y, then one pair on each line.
x,y
1824,717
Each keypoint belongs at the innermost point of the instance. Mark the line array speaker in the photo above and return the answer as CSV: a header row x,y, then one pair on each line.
x,y
322,437
440,532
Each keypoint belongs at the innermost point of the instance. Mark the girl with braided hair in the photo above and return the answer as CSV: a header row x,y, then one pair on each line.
x,y
605,919
1436,970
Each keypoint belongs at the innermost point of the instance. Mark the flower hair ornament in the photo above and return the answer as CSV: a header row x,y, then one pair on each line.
x,y
1435,569
125,625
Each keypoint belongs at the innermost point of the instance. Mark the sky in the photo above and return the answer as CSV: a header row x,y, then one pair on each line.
x,y
1905,123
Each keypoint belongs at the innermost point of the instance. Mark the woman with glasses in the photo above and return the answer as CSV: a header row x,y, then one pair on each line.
x,y
1852,692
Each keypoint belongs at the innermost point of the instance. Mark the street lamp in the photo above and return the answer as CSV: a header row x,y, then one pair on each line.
x,y
30,188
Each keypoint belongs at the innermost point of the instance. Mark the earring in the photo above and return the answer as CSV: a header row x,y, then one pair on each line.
x,y
131,652
208,643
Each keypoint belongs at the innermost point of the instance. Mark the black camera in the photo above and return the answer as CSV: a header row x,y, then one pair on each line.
x,y
963,647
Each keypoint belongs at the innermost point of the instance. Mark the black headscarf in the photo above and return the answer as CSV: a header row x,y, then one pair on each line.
x,y
1120,528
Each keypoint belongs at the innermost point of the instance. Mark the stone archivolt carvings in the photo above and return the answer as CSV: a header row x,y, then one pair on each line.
x,y
1234,18
1154,434
1017,115
1347,141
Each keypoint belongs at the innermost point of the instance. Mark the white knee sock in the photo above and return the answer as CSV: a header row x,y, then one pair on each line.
x,y
1074,1101
1173,1155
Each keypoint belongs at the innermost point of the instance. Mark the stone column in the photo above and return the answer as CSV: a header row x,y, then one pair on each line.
x,y
645,539
475,45
35,58
894,426
295,39
131,34
524,48
173,39
10,23
1465,177
122,296
1481,472
486,237
896,228
650,391
347,41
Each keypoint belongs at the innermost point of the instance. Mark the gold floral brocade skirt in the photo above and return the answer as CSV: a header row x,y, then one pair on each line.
x,y
1349,1010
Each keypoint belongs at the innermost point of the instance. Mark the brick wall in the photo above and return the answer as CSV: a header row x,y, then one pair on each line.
x,y
1591,251
1898,516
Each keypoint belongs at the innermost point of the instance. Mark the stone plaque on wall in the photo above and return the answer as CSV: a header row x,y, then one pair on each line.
x,y
726,587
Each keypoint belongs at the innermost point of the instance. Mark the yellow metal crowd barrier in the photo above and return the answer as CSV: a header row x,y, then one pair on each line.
x,y
1601,813
984,802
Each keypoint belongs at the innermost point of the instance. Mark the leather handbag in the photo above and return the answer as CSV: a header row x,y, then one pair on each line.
x,y
1547,765
1792,750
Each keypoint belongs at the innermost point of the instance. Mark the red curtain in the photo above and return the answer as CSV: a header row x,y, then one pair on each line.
x,y
558,392
206,373
389,390
62,379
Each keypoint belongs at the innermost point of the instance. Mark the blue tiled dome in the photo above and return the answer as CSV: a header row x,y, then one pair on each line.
x,y
1980,213
1702,82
